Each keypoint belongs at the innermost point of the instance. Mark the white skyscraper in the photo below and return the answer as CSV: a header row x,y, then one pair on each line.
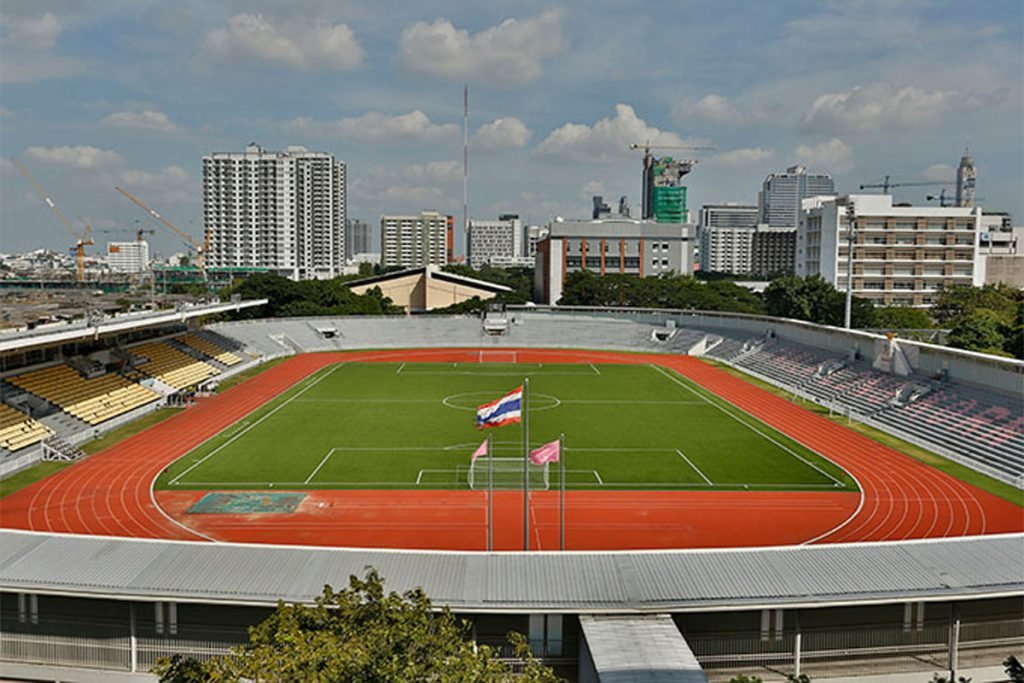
x,y
128,257
781,195
279,210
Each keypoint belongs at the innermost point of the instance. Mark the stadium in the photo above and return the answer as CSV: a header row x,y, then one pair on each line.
x,y
731,498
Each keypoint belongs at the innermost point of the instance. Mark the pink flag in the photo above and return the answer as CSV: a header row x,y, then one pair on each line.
x,y
549,452
481,450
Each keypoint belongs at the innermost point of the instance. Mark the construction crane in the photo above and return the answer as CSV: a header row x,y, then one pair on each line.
x,y
82,240
647,147
139,232
885,185
945,201
200,248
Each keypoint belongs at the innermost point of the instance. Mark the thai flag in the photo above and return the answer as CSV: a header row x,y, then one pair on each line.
x,y
505,410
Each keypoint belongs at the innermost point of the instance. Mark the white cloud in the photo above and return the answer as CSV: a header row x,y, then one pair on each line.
x,y
511,52
608,139
433,171
880,106
940,173
834,155
171,185
148,119
500,134
5,112
35,32
742,157
377,127
295,45
715,108
82,156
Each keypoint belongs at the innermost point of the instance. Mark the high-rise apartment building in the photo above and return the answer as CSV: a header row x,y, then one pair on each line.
x,y
902,255
284,211
782,193
414,241
772,252
726,232
357,238
497,243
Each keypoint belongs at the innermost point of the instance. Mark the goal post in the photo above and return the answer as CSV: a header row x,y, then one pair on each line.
x,y
489,356
508,474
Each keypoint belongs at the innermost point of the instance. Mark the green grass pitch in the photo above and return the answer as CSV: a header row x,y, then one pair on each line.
x,y
377,425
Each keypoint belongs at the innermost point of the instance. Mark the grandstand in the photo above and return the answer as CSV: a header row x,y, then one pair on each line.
x,y
171,366
91,400
207,347
18,430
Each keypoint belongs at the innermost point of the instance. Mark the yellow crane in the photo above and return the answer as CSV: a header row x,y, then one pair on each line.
x,y
200,248
82,240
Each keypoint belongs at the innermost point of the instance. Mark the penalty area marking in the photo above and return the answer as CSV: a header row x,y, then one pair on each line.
x,y
835,482
224,445
695,468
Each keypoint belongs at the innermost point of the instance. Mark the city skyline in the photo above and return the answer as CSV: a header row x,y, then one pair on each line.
x,y
135,94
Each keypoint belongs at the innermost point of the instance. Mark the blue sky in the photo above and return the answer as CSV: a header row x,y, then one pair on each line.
x,y
134,92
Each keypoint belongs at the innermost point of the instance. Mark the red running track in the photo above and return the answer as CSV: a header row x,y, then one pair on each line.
x,y
110,493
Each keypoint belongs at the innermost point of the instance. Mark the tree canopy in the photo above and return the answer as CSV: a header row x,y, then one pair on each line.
x,y
307,297
361,633
586,288
989,319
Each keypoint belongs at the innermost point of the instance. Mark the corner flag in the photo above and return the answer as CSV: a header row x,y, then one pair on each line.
x,y
549,452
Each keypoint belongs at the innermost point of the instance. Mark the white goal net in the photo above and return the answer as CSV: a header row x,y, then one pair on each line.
x,y
508,474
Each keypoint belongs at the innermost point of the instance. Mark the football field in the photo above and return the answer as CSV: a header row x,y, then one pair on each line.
x,y
412,425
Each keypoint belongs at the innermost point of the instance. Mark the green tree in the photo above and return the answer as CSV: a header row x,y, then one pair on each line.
x,y
980,330
361,633
902,318
815,299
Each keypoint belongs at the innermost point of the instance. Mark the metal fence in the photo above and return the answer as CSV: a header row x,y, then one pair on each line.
x,y
110,645
858,651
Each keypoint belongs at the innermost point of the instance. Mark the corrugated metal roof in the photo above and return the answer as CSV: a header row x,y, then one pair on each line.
x,y
544,582
639,649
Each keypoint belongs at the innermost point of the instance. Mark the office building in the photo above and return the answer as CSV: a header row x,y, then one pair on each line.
x,y
782,193
497,243
902,255
128,257
357,239
414,241
284,211
617,245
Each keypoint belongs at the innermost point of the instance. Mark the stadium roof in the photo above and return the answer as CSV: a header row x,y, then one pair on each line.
x,y
64,332
573,582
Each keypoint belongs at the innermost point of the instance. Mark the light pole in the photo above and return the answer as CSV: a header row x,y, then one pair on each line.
x,y
851,218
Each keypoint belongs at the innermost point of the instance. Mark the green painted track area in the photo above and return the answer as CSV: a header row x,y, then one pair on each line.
x,y
398,425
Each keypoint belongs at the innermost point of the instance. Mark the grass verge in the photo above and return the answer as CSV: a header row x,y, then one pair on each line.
x,y
30,475
954,469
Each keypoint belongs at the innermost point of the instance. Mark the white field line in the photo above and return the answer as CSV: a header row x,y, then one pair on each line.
x,y
244,431
317,469
750,426
631,403
594,368
454,481
399,370
599,481
695,468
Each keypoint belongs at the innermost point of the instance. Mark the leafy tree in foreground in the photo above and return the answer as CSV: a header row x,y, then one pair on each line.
x,y
359,634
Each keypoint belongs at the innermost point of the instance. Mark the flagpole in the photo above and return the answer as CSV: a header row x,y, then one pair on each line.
x,y
490,494
526,463
561,507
